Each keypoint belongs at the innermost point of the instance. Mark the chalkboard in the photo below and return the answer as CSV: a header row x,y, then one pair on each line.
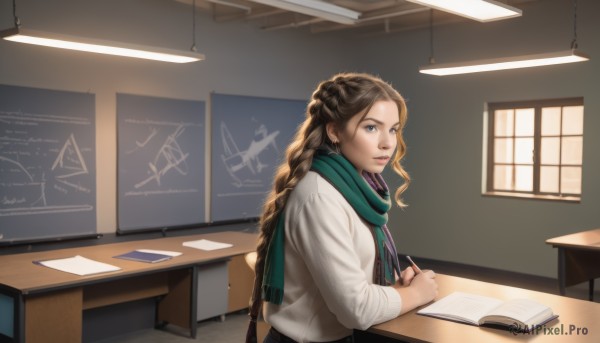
x,y
161,162
249,139
47,164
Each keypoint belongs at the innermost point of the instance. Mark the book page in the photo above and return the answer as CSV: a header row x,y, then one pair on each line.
x,y
526,311
205,244
461,306
78,265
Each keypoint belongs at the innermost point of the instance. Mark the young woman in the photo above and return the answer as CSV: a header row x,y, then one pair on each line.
x,y
326,262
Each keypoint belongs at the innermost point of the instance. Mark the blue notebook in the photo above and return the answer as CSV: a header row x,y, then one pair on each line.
x,y
144,256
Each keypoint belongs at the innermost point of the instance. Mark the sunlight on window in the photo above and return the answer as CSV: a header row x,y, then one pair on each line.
x,y
503,150
549,179
553,127
524,178
503,179
550,121
524,150
572,123
504,123
572,150
570,180
550,153
525,121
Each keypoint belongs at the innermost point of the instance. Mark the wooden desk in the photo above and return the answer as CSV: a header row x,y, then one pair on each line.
x,y
412,327
49,304
578,256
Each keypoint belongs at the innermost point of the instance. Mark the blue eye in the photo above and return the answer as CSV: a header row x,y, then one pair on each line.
x,y
370,128
394,130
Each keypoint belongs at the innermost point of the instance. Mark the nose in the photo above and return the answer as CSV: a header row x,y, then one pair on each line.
x,y
387,141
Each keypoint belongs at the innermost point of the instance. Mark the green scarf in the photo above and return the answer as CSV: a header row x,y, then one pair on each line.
x,y
369,197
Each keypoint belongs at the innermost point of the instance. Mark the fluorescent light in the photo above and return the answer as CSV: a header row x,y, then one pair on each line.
x,y
248,9
481,10
568,56
315,8
97,46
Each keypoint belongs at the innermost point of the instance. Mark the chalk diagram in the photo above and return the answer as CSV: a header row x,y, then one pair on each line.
x,y
170,158
25,188
245,166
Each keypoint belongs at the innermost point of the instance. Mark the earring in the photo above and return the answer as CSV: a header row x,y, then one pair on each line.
x,y
336,147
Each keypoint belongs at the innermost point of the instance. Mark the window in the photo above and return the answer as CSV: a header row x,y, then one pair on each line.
x,y
535,149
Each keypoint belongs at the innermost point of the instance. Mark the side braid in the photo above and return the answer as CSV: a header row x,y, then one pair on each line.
x,y
299,159
323,108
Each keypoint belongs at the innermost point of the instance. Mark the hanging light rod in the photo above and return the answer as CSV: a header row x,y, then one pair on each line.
x,y
315,8
480,10
99,46
545,59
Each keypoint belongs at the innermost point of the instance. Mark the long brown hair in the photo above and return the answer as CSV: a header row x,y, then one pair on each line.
x,y
335,101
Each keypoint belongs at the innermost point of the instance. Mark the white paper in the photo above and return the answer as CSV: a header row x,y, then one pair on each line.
x,y
161,252
79,265
205,244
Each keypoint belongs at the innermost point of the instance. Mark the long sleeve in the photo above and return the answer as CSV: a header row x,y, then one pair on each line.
x,y
325,235
329,261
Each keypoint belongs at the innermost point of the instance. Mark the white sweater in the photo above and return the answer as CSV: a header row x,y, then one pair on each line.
x,y
329,262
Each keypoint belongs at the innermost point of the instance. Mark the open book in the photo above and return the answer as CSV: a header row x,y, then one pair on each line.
x,y
517,314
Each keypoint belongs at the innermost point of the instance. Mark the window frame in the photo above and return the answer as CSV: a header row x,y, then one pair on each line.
x,y
537,105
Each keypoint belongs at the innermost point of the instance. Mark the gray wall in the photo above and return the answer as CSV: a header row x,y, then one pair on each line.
x,y
447,217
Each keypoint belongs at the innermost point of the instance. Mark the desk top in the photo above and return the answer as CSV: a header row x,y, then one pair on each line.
x,y
412,327
581,240
18,272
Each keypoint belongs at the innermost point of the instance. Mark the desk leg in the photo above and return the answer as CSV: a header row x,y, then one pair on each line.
x,y
561,271
19,325
194,302
179,305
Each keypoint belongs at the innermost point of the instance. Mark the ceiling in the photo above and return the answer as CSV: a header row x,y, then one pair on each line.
x,y
377,16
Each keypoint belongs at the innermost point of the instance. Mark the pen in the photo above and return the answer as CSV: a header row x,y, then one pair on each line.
x,y
414,265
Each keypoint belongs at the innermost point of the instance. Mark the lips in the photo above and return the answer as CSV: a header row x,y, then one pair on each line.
x,y
382,159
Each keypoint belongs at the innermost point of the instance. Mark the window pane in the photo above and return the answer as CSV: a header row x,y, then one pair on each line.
x,y
570,180
524,150
550,150
524,122
572,123
524,178
503,178
572,150
549,179
503,122
503,150
550,121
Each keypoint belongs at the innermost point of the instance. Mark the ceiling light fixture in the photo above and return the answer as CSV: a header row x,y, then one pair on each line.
x,y
97,46
480,10
515,62
568,56
315,8
17,34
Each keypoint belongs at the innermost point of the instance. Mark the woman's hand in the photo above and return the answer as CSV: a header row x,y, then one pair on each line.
x,y
421,289
407,275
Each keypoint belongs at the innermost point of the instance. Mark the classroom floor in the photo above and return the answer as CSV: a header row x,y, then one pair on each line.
x,y
233,328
